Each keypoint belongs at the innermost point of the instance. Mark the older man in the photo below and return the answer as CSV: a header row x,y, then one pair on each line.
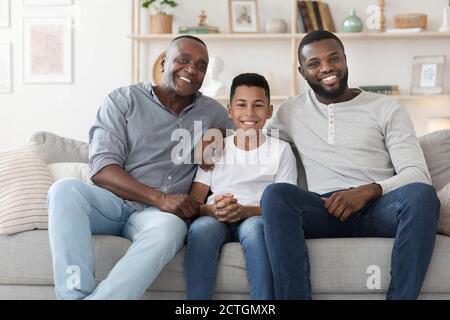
x,y
140,192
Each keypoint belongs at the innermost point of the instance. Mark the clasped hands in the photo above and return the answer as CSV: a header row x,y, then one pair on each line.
x,y
226,208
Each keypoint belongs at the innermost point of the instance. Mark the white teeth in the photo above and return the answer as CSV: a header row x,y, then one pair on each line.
x,y
185,79
247,123
330,78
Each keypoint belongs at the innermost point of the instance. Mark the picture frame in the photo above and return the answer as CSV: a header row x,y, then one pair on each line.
x,y
35,3
428,75
47,49
5,67
243,16
4,13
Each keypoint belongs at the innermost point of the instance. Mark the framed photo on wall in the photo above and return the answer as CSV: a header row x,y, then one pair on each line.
x,y
5,68
4,13
428,75
243,16
47,50
31,3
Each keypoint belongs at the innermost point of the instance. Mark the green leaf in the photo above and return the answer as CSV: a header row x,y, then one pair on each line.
x,y
170,3
147,3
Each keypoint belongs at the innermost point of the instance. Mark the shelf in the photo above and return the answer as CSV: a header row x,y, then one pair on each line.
x,y
280,36
417,97
215,36
387,35
272,98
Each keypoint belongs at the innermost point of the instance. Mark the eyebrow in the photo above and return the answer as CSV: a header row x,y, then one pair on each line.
x,y
243,100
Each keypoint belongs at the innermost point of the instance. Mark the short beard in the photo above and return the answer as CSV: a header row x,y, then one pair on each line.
x,y
320,91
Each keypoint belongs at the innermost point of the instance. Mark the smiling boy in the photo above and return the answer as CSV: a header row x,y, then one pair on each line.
x,y
251,161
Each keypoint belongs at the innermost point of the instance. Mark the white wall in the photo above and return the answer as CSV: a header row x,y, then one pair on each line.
x,y
102,61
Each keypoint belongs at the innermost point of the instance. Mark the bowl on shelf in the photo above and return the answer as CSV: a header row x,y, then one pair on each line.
x,y
411,20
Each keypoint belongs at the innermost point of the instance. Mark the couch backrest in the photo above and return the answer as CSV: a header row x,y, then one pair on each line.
x,y
54,149
436,147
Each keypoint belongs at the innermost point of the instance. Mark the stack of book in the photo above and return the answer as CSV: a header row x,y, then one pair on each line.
x,y
197,29
388,90
314,15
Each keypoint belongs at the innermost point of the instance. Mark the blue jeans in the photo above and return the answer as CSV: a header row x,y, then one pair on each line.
x,y
77,211
290,214
205,238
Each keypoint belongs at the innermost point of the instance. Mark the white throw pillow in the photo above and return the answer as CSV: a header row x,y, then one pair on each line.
x,y
24,184
64,170
444,218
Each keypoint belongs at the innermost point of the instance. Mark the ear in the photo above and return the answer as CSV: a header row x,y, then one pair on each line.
x,y
301,71
163,62
229,111
270,114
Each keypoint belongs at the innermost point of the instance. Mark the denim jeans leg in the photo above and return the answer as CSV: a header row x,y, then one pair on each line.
x,y
410,214
205,238
259,273
76,211
157,236
291,215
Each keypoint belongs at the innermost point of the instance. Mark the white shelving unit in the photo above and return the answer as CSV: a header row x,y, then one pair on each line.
x,y
292,38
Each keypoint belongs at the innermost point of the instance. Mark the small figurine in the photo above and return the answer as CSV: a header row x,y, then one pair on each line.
x,y
203,19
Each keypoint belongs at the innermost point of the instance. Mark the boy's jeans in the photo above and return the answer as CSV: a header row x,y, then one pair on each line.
x,y
205,238
77,211
291,215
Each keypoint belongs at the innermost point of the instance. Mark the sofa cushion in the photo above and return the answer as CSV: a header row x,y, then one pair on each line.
x,y
62,170
53,148
444,218
337,265
436,149
24,183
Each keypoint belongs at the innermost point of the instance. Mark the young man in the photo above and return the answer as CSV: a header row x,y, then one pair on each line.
x,y
250,162
140,192
366,176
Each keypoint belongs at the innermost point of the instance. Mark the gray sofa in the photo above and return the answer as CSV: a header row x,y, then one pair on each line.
x,y
339,267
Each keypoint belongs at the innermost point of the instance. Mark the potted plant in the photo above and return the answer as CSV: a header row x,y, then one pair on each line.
x,y
160,17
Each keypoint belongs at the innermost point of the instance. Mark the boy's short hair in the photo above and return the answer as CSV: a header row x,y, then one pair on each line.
x,y
250,80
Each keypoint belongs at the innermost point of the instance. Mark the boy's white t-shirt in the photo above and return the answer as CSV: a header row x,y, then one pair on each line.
x,y
246,174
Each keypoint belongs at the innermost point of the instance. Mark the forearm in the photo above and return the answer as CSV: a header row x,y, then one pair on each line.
x,y
371,191
207,210
405,177
119,182
250,211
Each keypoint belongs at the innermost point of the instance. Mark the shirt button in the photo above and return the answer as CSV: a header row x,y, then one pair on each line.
x,y
169,177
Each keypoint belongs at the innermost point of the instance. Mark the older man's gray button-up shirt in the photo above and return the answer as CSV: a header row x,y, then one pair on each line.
x,y
134,130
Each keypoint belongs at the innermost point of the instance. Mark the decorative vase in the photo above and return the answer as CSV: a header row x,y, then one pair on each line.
x,y
444,27
276,26
161,23
352,23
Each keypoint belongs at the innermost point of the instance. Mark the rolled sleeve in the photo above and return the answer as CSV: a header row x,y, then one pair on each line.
x,y
108,135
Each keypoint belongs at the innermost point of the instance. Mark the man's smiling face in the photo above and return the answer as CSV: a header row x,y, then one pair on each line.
x,y
324,66
184,67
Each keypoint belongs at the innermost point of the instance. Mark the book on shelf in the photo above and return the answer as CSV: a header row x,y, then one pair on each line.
x,y
388,90
314,15
196,30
